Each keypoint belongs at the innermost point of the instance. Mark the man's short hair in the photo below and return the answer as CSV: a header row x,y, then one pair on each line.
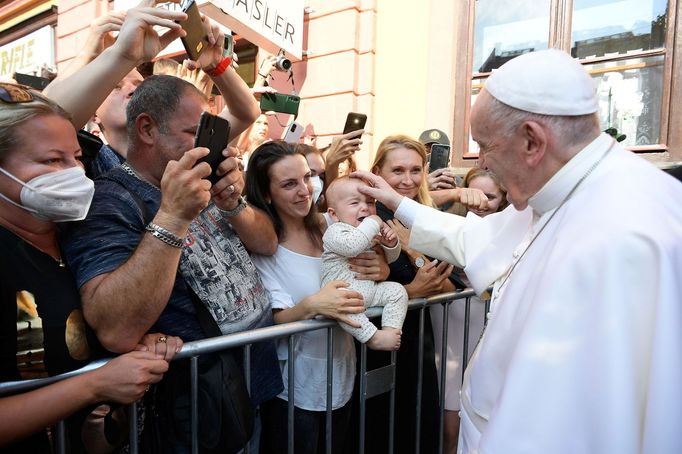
x,y
159,97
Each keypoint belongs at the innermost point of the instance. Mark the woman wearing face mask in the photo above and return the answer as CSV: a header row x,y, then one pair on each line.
x,y
43,332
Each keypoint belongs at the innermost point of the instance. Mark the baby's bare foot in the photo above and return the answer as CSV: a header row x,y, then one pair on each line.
x,y
385,339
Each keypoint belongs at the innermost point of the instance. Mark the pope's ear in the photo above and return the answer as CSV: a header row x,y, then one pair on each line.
x,y
535,139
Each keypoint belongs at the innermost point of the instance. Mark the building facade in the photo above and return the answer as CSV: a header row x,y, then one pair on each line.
x,y
412,66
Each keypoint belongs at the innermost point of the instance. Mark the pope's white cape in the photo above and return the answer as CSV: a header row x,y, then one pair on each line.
x,y
583,351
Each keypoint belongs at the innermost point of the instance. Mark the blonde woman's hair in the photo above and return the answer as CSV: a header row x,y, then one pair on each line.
x,y
391,143
14,115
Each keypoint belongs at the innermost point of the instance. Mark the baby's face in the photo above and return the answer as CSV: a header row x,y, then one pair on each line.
x,y
350,206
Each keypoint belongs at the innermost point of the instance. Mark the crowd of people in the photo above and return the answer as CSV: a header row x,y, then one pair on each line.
x,y
582,349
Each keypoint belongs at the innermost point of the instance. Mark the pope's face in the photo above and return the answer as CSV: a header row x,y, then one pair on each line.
x,y
499,153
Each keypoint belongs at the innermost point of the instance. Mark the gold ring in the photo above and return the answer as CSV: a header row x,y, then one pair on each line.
x,y
161,339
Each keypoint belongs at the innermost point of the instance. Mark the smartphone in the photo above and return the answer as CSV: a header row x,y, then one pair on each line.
x,y
279,102
293,133
440,156
354,121
228,48
90,145
196,39
213,133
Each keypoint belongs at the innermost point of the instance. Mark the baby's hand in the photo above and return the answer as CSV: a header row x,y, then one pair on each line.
x,y
388,236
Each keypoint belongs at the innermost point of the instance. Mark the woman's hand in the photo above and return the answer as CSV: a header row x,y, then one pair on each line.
x,y
137,41
441,179
335,301
100,33
370,266
126,378
431,279
401,231
164,346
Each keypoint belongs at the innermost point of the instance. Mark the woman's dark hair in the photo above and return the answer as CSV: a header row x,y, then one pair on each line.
x,y
258,186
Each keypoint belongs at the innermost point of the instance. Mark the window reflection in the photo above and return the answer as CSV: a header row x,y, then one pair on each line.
x,y
503,32
606,27
629,94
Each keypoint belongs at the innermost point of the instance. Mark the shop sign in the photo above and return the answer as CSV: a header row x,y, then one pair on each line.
x,y
270,24
29,53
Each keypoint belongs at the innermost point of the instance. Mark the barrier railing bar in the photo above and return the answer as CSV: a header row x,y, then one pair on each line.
x,y
60,435
214,344
247,378
443,371
363,393
196,348
330,367
420,382
132,427
391,405
465,342
290,403
194,387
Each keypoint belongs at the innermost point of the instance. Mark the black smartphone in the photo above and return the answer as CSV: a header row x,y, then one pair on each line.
x,y
90,145
196,39
354,121
440,156
279,102
213,133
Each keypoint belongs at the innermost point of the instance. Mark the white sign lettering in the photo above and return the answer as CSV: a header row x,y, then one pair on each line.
x,y
28,54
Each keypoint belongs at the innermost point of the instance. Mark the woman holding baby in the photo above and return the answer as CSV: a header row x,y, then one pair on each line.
x,y
278,181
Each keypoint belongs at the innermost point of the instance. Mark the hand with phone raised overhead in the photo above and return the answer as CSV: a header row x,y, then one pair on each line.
x,y
343,147
212,53
137,41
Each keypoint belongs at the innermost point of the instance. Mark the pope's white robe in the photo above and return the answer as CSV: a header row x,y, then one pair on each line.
x,y
583,350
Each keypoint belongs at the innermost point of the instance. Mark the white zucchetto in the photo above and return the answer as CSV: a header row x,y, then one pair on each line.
x,y
548,82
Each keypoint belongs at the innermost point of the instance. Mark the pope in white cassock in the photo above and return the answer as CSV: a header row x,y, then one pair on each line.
x,y
583,349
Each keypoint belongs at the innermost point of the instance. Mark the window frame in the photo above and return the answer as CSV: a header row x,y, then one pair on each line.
x,y
560,17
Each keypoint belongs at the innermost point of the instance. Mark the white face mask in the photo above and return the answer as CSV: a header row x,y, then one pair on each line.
x,y
60,196
317,187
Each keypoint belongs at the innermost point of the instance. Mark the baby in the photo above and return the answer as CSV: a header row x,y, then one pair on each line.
x,y
355,231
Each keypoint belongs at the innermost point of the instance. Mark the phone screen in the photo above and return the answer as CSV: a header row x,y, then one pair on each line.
x,y
440,157
354,121
213,133
196,40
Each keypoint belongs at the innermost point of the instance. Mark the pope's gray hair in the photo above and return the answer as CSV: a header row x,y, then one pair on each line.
x,y
569,130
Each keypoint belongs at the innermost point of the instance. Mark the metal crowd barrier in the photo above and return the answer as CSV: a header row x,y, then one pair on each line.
x,y
372,383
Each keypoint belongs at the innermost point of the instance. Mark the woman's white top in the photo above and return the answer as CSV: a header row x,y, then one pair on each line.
x,y
289,278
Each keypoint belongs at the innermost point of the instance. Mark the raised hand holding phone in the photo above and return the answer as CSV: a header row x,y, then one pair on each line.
x,y
213,132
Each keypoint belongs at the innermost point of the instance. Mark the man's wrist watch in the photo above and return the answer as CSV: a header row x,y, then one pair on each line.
x,y
236,210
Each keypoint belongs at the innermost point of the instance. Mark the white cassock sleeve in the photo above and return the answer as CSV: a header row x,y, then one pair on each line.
x,y
597,367
484,247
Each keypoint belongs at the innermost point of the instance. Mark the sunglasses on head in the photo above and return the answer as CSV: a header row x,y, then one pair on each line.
x,y
13,93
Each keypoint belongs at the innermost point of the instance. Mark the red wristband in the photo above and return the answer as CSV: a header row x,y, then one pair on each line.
x,y
222,66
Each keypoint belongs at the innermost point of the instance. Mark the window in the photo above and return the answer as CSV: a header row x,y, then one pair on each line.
x,y
626,45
